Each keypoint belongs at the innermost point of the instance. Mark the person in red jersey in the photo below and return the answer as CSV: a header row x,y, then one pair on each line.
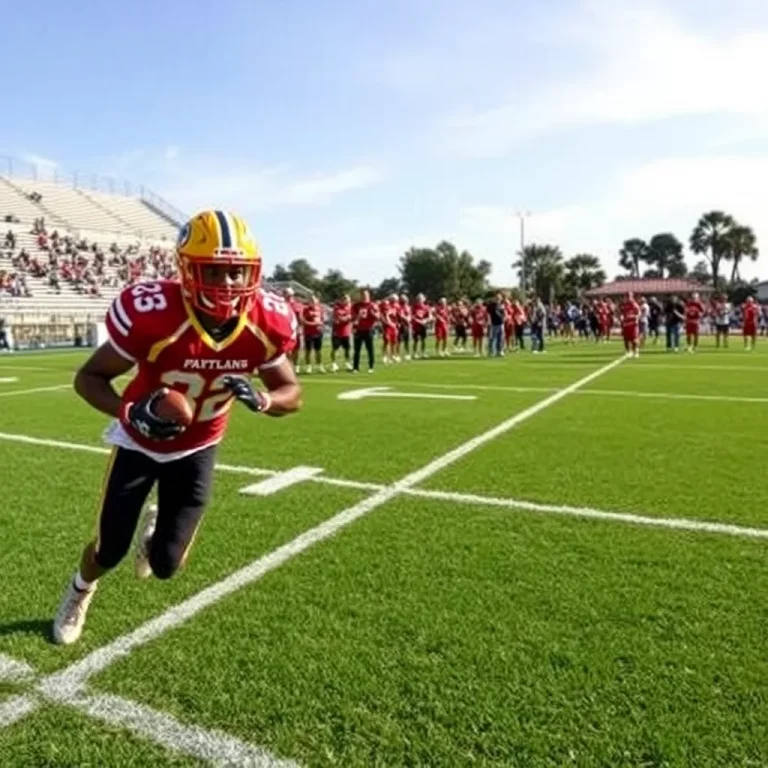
x,y
404,328
298,309
606,319
629,312
365,315
460,316
421,314
342,331
751,315
442,319
721,312
388,314
519,319
203,335
479,319
312,321
694,311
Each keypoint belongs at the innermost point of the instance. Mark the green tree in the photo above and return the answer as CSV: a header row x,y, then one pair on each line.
x,y
665,255
582,273
387,287
443,271
280,274
701,273
303,272
334,285
631,254
709,238
740,243
541,270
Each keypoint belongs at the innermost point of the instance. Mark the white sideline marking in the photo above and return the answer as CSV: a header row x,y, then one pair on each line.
x,y
674,396
15,709
359,394
30,368
458,497
214,746
36,389
71,681
676,523
280,481
13,670
9,380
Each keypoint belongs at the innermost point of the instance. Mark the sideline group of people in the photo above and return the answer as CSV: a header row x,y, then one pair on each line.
x,y
499,325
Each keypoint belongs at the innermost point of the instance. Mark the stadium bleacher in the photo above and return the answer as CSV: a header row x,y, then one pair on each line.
x,y
74,248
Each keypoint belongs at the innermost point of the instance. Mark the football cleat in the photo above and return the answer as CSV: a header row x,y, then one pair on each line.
x,y
70,618
142,567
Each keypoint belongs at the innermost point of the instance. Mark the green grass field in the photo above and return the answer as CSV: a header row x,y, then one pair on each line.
x,y
586,588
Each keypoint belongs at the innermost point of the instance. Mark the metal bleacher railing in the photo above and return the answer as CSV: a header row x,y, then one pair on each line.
x,y
14,168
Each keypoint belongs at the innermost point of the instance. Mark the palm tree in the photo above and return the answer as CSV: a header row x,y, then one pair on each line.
x,y
631,254
541,269
665,253
740,242
709,238
583,272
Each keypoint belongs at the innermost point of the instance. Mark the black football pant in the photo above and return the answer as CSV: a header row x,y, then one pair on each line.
x,y
363,337
183,490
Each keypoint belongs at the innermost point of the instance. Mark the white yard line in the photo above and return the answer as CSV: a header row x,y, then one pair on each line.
x,y
675,523
673,396
36,389
13,670
16,708
213,746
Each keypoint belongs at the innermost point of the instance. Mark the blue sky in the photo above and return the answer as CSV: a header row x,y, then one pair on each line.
x,y
346,132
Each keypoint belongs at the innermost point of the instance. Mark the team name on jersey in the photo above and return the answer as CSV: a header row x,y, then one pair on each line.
x,y
215,365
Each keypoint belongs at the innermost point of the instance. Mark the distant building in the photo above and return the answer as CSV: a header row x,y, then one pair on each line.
x,y
651,286
762,292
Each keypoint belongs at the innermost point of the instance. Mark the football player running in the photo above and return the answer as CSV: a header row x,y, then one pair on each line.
x,y
203,334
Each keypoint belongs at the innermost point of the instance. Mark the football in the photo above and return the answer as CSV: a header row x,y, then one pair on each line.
x,y
174,407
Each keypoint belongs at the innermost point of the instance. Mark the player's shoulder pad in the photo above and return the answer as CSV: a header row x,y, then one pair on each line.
x,y
275,316
146,308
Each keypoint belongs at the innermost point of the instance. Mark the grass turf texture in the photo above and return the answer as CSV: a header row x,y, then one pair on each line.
x,y
430,632
446,635
54,736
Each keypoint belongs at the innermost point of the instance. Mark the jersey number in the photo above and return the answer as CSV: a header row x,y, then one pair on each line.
x,y
196,385
147,297
273,303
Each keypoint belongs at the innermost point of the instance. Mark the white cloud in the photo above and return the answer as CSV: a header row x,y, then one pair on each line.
x,y
665,195
172,152
646,67
261,189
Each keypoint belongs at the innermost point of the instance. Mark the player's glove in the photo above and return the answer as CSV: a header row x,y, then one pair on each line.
x,y
140,416
241,388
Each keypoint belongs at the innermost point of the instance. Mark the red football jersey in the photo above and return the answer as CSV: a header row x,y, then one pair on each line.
x,y
630,313
442,315
403,314
312,320
297,307
693,310
518,314
342,320
478,316
460,316
152,325
751,313
365,314
420,315
388,313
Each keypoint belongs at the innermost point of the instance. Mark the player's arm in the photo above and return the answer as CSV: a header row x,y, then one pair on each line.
x,y
93,382
283,389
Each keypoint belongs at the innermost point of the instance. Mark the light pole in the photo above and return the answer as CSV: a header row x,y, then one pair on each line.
x,y
522,215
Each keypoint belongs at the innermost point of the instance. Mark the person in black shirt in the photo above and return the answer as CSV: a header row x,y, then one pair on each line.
x,y
674,314
496,316
654,318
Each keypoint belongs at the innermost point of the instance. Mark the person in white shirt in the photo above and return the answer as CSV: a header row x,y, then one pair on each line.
x,y
645,313
721,310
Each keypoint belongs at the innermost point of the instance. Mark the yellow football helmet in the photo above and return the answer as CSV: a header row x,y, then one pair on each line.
x,y
218,239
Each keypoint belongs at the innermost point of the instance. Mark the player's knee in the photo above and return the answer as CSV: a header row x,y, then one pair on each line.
x,y
164,563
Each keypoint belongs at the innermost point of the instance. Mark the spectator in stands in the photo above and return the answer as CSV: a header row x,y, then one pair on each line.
x,y
10,239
